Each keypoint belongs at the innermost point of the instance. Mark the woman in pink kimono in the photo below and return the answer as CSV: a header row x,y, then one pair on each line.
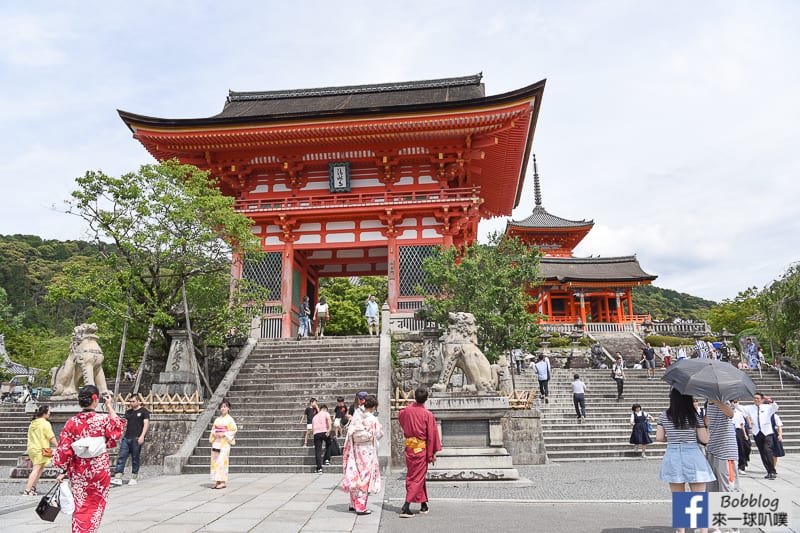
x,y
362,473
83,457
223,436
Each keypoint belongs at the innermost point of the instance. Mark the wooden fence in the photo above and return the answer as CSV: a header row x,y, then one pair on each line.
x,y
167,403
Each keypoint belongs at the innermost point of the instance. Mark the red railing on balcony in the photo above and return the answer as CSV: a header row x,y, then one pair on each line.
x,y
378,199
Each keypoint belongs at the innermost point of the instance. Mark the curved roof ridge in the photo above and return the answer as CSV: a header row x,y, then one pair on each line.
x,y
593,260
242,96
540,218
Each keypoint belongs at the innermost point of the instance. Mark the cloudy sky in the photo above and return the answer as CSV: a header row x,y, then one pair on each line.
x,y
673,125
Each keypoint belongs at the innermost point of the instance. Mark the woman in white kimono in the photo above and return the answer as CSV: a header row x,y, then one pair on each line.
x,y
223,436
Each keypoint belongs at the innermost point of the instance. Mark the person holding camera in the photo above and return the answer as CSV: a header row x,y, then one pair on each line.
x,y
138,419
82,455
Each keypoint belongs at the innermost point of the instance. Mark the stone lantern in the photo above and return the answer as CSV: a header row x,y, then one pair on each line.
x,y
575,336
545,338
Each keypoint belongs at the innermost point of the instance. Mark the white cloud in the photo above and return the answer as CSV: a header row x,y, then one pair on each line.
x,y
672,126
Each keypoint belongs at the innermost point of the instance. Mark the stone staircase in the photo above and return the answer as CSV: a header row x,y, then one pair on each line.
x,y
272,390
606,431
14,424
623,342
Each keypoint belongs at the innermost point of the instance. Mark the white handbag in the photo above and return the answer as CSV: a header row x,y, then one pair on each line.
x,y
89,447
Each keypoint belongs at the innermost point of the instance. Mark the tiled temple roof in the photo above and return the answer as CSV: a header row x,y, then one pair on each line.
x,y
265,103
565,269
540,218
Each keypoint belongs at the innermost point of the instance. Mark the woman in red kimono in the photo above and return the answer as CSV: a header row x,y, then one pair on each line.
x,y
82,456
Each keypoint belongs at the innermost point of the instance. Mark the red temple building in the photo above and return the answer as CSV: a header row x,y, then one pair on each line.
x,y
363,180
577,290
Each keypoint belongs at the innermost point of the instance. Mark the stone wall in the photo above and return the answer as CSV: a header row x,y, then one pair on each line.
x,y
165,436
522,437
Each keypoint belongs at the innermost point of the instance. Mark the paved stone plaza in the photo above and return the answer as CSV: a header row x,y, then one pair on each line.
x,y
604,497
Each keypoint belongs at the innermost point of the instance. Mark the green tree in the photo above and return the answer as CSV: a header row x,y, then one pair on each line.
x,y
8,319
737,314
162,229
347,299
779,304
489,281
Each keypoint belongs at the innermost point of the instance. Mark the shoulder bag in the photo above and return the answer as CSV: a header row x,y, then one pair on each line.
x,y
49,506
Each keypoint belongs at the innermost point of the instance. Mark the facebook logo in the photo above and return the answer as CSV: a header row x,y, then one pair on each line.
x,y
689,509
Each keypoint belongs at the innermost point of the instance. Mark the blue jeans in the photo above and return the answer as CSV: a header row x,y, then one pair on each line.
x,y
302,330
128,447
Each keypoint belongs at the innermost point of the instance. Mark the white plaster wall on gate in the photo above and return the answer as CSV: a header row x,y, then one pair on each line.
x,y
372,236
340,237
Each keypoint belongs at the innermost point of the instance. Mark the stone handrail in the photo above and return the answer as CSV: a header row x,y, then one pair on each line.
x,y
173,464
384,390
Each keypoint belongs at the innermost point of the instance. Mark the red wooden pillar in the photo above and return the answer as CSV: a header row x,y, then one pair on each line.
x,y
630,303
393,272
619,306
447,240
286,289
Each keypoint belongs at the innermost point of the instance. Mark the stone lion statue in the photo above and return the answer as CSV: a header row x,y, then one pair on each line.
x,y
85,361
460,349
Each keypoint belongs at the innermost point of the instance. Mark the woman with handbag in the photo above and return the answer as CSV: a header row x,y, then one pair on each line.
x,y
640,433
682,428
40,438
83,457
361,470
223,436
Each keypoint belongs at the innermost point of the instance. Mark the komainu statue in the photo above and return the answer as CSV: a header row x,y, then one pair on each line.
x,y
460,349
85,361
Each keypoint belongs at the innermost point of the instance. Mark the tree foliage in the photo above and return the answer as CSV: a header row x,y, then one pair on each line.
x,y
346,301
666,304
779,306
489,281
160,229
737,314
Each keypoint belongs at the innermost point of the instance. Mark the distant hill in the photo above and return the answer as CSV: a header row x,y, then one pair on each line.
x,y
27,266
665,304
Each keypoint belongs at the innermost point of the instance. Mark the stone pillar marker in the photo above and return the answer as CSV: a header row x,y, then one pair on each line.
x,y
181,375
470,425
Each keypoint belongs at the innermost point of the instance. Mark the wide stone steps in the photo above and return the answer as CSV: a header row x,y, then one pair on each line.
x,y
606,431
272,391
14,424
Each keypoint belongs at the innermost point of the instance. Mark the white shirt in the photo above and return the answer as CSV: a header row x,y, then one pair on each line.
x,y
738,418
578,387
760,415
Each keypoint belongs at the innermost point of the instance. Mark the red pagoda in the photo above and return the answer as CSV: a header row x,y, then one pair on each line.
x,y
577,290
357,180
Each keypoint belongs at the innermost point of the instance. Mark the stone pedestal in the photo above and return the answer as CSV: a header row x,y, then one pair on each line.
x,y
471,428
181,374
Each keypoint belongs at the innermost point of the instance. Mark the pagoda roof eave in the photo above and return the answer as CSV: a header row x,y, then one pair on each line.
x,y
534,91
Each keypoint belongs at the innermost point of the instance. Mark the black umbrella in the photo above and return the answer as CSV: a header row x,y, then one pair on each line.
x,y
710,379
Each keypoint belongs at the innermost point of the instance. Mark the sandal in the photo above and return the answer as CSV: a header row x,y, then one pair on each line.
x,y
365,512
30,492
